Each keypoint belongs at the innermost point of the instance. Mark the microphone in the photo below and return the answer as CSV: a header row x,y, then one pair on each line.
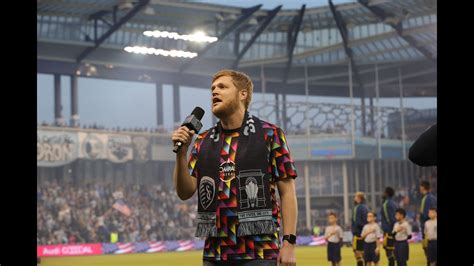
x,y
192,122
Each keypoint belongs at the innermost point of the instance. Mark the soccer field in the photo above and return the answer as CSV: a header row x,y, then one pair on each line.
x,y
305,256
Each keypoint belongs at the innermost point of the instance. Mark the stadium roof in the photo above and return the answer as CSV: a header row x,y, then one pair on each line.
x,y
390,35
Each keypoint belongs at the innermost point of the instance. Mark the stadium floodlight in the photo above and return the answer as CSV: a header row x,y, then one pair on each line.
x,y
253,21
86,69
125,4
198,36
152,51
149,11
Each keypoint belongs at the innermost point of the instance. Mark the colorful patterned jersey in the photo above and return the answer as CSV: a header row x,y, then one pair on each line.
x,y
228,246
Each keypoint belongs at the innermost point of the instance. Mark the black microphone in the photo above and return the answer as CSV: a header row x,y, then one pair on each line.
x,y
192,122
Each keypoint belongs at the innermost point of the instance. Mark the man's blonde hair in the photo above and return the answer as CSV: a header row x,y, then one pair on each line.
x,y
240,80
361,195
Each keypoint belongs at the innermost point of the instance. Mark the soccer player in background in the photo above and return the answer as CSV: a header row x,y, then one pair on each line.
x,y
428,201
388,220
359,219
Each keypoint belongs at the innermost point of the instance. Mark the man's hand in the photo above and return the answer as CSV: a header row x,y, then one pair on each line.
x,y
184,135
185,185
287,255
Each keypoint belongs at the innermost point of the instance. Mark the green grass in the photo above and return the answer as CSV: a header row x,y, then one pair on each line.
x,y
305,256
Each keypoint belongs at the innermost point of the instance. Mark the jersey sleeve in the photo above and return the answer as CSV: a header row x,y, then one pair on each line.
x,y
280,157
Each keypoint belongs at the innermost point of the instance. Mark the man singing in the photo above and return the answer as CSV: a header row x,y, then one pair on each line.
x,y
236,166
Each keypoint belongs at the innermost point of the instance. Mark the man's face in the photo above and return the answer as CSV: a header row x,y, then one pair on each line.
x,y
422,190
432,214
356,199
332,219
225,97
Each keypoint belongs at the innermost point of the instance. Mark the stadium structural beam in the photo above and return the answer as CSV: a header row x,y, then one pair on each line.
x,y
292,38
176,106
270,15
97,42
345,188
74,102
237,42
246,13
341,25
57,99
372,127
383,15
159,105
277,108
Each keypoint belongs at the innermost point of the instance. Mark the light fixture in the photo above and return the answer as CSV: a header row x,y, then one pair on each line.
x,y
148,50
198,36
125,4
253,21
149,11
87,69
144,78
219,17
91,70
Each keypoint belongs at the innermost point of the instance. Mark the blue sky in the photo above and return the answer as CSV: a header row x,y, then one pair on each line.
x,y
132,104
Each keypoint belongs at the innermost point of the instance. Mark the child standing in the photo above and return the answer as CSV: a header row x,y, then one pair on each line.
x,y
402,232
333,234
370,234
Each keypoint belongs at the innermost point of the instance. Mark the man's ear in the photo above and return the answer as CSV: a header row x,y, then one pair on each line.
x,y
243,94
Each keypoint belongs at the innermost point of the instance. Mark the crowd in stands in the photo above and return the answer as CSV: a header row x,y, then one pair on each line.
x,y
315,130
112,129
70,214
296,130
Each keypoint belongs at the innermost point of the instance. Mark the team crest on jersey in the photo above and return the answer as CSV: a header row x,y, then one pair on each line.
x,y
206,191
227,171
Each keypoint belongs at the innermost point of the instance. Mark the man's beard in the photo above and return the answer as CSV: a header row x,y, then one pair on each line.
x,y
226,110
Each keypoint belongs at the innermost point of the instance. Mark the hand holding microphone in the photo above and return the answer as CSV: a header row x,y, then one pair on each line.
x,y
184,134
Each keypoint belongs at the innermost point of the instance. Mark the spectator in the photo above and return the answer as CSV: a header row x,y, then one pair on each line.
x,y
79,214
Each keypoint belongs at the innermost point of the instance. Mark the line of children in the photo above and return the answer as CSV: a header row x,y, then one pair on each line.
x,y
371,232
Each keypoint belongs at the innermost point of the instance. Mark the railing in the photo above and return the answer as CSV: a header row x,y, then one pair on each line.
x,y
330,118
